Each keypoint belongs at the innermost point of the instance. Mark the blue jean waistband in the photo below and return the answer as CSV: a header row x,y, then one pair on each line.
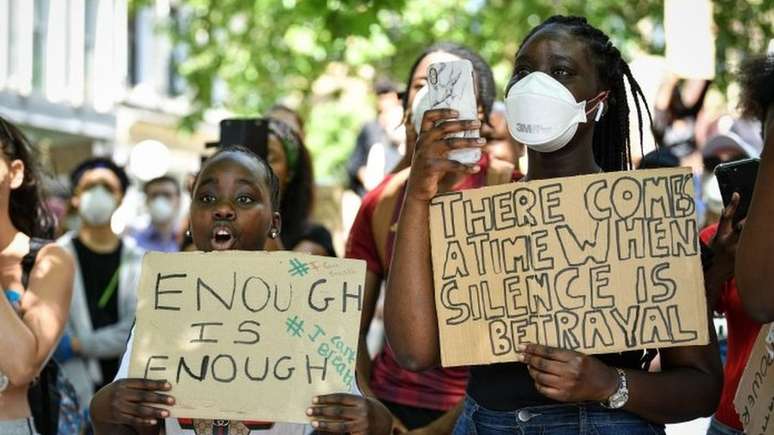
x,y
550,415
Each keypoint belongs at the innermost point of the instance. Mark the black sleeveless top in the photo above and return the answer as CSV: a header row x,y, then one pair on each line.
x,y
508,386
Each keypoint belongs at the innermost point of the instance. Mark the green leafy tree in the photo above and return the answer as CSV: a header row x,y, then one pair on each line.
x,y
262,51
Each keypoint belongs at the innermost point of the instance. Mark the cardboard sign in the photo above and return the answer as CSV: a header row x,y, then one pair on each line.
x,y
690,38
248,335
754,400
598,264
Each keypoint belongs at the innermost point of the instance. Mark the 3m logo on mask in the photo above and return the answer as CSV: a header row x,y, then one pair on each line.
x,y
532,128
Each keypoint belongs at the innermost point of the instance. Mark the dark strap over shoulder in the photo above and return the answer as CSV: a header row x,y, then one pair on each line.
x,y
28,261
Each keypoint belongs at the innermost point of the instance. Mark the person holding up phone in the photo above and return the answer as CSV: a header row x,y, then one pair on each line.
x,y
723,297
754,271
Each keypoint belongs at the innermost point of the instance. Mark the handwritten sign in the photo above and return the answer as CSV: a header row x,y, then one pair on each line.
x,y
599,263
248,335
690,38
754,400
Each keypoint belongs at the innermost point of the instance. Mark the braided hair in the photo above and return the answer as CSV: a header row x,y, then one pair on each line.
x,y
611,144
28,211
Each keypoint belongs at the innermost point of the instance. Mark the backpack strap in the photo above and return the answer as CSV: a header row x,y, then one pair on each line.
x,y
28,261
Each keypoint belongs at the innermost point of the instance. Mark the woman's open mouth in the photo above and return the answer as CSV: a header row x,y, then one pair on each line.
x,y
222,238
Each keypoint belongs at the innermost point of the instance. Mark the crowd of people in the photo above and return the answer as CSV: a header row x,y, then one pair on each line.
x,y
67,315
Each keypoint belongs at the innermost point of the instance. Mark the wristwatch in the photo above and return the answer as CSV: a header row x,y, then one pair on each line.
x,y
621,396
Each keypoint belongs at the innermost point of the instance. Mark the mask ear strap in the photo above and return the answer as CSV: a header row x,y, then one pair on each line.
x,y
599,111
601,98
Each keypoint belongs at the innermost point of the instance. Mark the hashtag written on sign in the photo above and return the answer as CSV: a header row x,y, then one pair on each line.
x,y
295,326
298,267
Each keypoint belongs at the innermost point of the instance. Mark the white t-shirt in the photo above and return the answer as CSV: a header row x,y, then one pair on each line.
x,y
173,426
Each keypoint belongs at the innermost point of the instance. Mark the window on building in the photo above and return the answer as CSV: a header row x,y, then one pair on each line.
x,y
39,35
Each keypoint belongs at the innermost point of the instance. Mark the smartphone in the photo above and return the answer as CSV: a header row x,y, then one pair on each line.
x,y
738,176
252,133
451,85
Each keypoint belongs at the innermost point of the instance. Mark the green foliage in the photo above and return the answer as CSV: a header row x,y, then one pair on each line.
x,y
266,50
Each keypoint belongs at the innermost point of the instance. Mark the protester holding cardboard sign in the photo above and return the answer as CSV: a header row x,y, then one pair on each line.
x,y
754,270
567,103
235,196
429,400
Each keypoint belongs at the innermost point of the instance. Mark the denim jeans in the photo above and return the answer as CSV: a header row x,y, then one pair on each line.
x,y
718,428
564,419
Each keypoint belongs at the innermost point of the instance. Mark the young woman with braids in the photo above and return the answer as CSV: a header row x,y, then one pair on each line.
x,y
33,305
551,390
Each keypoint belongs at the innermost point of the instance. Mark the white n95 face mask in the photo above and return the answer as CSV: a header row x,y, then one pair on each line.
x,y
543,114
97,205
161,210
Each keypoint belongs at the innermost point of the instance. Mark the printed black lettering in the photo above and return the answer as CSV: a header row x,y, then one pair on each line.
x,y
243,327
498,335
157,292
183,366
656,197
445,203
514,297
597,211
230,369
549,202
200,284
660,281
357,295
149,367
454,266
626,197
628,324
600,280
201,326
577,252
566,321
631,237
321,368
595,327
655,328
524,201
326,301
504,214
255,308
460,309
562,284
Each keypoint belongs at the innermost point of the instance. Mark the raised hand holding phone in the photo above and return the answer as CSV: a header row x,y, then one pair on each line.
x,y
451,85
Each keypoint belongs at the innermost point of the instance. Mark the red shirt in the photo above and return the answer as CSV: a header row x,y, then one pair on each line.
x,y
742,332
438,389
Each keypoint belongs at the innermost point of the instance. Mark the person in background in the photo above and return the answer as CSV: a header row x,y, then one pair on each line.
x,y
499,142
290,117
427,401
33,305
379,131
290,160
162,198
723,297
754,271
107,270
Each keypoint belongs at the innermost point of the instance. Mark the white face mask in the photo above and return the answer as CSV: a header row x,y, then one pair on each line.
x,y
543,114
161,210
97,205
419,106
